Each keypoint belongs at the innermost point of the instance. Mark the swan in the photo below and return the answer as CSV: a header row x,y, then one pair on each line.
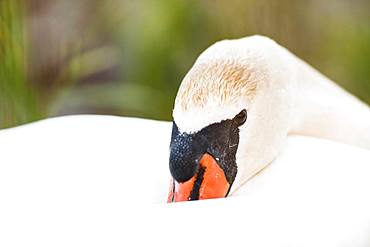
x,y
103,180
237,105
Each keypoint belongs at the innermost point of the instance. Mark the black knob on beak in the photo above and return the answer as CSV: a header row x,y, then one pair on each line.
x,y
185,153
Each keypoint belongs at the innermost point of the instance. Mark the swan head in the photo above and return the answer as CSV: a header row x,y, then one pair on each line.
x,y
230,118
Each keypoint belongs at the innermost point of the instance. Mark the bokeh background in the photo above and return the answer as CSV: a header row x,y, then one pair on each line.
x,y
127,57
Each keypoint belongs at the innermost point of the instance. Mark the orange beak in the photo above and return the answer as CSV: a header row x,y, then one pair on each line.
x,y
208,183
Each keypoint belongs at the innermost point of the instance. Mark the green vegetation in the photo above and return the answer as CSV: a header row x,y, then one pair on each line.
x,y
17,101
128,57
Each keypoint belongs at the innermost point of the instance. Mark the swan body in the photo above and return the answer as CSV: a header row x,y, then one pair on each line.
x,y
68,148
103,180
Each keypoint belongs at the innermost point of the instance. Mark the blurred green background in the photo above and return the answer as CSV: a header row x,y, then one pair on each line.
x,y
128,58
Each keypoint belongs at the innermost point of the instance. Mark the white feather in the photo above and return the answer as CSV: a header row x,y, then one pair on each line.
x,y
92,181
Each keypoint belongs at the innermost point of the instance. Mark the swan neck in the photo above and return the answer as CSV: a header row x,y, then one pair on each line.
x,y
323,109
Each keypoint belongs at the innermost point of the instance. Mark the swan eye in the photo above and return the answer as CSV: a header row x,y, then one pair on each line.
x,y
240,118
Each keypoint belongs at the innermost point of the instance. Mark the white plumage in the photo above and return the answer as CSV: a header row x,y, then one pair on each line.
x,y
92,181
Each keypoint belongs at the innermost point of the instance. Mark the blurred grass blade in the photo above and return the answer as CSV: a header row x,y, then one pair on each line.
x,y
17,99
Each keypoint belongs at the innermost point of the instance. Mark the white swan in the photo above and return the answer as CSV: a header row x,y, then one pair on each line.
x,y
236,106
87,180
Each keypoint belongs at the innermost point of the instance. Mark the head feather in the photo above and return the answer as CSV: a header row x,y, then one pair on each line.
x,y
220,81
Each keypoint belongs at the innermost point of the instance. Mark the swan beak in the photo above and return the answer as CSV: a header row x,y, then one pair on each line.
x,y
208,182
